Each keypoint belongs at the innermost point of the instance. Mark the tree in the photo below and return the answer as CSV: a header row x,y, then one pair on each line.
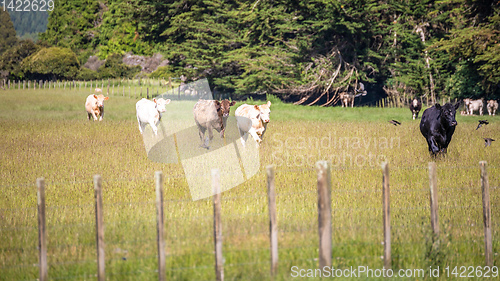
x,y
11,59
7,32
51,63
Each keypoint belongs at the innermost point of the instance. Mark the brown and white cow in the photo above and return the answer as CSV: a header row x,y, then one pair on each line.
x,y
209,115
492,107
95,106
346,99
415,107
253,120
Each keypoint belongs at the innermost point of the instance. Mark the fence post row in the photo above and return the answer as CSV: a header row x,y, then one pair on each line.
x,y
159,225
324,214
485,187
42,230
99,228
324,219
386,214
433,198
219,267
273,223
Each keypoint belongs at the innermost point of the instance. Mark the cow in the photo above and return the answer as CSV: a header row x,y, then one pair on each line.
x,y
253,120
473,105
95,106
492,107
346,99
438,125
98,90
415,107
210,115
149,112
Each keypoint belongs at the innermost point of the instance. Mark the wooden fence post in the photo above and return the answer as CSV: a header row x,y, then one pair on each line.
x,y
485,187
42,230
386,211
219,266
324,214
433,198
159,225
273,222
99,228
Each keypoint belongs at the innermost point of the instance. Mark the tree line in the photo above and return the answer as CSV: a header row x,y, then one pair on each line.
x,y
306,51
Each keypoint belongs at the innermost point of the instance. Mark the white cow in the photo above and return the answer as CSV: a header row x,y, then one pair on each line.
x,y
492,107
95,106
346,99
98,90
149,112
473,105
253,120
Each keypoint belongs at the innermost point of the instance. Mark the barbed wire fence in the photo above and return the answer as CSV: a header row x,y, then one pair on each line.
x,y
164,254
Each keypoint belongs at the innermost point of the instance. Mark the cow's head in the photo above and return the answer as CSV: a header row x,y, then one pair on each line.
x,y
467,101
100,100
264,112
448,112
160,104
224,107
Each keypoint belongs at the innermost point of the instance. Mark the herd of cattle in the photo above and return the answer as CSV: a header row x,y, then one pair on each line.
x,y
437,124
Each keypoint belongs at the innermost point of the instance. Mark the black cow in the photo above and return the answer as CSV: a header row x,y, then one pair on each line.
x,y
415,107
438,125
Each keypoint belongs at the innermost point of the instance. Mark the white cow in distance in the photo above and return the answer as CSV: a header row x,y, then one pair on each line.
x,y
253,120
98,90
492,107
95,106
473,105
149,112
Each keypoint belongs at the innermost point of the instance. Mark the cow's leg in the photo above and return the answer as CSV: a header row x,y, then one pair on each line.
x,y
210,132
141,125
88,115
431,141
102,113
256,137
153,126
93,115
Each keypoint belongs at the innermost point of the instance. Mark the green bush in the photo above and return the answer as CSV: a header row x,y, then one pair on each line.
x,y
52,63
87,74
163,71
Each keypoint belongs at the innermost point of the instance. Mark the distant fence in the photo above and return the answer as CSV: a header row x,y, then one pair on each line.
x,y
324,220
146,87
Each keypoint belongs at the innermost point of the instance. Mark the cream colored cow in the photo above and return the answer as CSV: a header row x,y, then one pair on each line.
x,y
253,120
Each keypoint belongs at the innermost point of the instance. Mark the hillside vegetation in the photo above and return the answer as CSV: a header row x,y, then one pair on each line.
x,y
297,50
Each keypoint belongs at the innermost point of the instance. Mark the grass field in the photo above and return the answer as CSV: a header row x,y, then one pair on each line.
x,y
45,133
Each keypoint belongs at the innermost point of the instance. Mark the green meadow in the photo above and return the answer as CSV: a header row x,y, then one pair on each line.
x,y
45,133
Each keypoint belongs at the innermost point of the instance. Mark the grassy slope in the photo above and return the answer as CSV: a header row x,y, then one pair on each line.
x,y
45,133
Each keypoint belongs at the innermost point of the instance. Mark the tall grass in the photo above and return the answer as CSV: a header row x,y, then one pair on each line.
x,y
46,133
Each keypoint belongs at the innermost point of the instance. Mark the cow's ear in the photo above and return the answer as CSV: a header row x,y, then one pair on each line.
x,y
268,103
95,97
106,98
154,100
232,103
457,105
167,101
256,107
217,104
437,106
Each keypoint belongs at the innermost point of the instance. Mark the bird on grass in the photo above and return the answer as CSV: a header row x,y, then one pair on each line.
x,y
487,141
395,122
481,123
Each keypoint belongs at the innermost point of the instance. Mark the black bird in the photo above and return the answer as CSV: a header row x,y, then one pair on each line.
x,y
481,123
487,141
395,123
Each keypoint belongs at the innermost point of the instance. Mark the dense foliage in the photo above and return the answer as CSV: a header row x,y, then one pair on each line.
x,y
29,23
7,32
297,49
